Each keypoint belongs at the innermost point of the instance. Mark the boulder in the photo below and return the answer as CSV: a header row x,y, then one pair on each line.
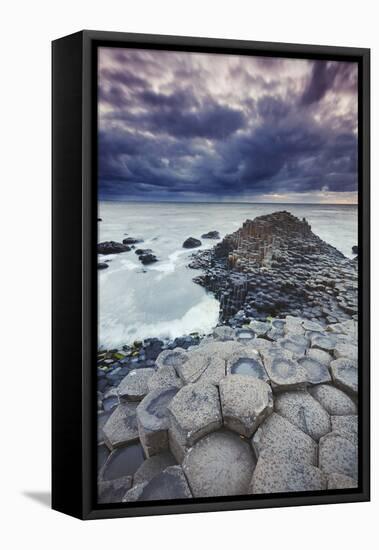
x,y
220,464
338,455
303,411
345,375
194,412
147,259
134,386
152,419
191,242
245,402
334,401
211,235
152,466
354,249
132,240
275,475
346,426
276,436
102,265
121,427
164,378
316,372
340,481
112,247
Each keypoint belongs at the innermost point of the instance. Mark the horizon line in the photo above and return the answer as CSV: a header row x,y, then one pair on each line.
x,y
228,202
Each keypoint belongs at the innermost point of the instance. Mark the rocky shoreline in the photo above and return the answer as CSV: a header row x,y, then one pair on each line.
x,y
267,403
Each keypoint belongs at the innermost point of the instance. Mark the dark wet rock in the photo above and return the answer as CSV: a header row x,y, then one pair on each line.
x,y
354,249
220,464
211,235
275,475
191,242
141,251
152,418
102,265
147,258
153,348
131,240
122,462
112,491
167,485
99,219
245,402
303,411
112,247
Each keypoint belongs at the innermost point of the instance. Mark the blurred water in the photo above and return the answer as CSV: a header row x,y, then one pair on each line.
x,y
137,302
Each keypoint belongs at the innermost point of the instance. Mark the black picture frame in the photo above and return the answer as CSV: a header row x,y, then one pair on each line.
x,y
74,272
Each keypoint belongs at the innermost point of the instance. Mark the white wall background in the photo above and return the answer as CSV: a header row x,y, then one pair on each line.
x,y
26,31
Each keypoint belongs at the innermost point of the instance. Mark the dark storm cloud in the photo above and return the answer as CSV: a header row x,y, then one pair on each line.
x,y
182,126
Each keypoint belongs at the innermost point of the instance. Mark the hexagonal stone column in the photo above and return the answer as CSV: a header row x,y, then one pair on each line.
x,y
345,374
334,401
346,426
275,475
134,386
171,358
340,481
220,464
165,377
121,427
245,403
194,412
276,436
247,362
305,412
338,455
284,372
317,373
152,418
201,367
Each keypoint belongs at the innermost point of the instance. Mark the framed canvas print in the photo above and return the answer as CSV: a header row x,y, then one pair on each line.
x,y
210,274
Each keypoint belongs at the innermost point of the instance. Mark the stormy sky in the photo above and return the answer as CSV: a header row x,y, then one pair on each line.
x,y
177,126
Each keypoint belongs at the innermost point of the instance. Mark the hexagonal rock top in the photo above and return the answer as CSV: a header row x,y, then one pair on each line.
x,y
134,386
284,372
338,455
152,418
333,400
274,475
346,350
171,358
276,436
165,377
296,344
202,367
326,343
121,427
319,355
194,412
339,481
345,374
347,426
245,403
302,410
247,362
317,373
220,464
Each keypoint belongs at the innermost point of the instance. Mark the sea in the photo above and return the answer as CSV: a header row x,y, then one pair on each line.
x,y
161,300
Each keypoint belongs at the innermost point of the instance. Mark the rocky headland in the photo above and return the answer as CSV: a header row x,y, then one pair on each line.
x,y
267,403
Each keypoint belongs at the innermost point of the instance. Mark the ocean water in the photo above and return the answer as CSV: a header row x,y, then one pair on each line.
x,y
137,302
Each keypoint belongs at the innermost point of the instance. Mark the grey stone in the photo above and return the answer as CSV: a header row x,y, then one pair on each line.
x,y
302,410
164,378
319,355
260,328
296,344
224,350
167,485
345,374
247,362
223,333
102,418
122,462
346,426
153,466
334,401
220,464
194,412
134,493
274,475
340,481
312,326
152,418
112,491
317,373
121,427
202,367
284,372
171,358
320,341
346,350
134,386
245,403
293,325
276,436
338,455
